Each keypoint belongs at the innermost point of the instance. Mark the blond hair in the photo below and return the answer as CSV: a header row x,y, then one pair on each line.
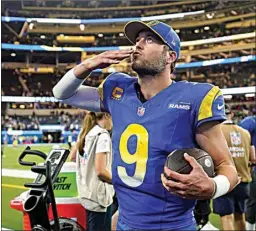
x,y
90,120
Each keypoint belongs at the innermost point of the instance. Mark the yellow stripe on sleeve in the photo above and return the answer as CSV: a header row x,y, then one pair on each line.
x,y
100,88
205,110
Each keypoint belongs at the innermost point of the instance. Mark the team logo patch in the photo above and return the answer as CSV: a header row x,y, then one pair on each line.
x,y
219,107
141,111
235,138
153,23
117,93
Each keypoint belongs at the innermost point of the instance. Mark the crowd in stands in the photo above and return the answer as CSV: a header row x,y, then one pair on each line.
x,y
223,76
72,122
95,4
242,110
9,10
185,34
19,123
21,84
15,83
19,10
69,121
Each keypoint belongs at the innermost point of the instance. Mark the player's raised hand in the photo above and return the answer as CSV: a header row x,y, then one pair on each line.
x,y
107,58
195,185
102,60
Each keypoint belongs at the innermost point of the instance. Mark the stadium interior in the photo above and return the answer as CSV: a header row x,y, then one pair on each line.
x,y
42,40
205,36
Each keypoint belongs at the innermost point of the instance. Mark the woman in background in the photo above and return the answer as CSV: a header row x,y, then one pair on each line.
x,y
93,155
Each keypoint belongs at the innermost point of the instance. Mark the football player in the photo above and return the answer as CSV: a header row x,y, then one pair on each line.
x,y
152,116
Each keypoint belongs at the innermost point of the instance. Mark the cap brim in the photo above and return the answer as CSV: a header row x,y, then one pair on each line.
x,y
132,29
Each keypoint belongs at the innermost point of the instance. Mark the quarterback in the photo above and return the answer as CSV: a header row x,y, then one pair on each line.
x,y
152,116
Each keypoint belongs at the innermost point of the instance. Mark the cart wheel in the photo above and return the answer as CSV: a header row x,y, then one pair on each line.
x,y
38,228
67,224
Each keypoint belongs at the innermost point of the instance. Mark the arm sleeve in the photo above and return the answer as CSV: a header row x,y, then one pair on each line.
x,y
103,143
211,108
69,90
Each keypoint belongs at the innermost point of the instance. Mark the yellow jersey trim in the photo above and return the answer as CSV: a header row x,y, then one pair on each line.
x,y
100,88
205,110
219,94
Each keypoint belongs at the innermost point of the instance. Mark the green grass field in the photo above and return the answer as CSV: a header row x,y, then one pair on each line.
x,y
11,154
13,187
11,219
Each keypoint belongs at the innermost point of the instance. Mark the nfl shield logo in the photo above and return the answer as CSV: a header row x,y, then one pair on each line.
x,y
141,111
235,138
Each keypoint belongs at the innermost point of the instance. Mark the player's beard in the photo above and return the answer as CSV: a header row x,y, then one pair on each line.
x,y
149,67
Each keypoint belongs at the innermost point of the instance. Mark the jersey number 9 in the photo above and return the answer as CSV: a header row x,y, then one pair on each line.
x,y
140,157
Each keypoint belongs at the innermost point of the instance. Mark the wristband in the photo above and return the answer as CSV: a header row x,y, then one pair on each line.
x,y
222,186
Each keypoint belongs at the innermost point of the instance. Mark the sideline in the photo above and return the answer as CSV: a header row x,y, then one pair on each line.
x,y
18,173
13,186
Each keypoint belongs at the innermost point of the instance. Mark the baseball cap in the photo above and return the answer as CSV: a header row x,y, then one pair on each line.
x,y
162,30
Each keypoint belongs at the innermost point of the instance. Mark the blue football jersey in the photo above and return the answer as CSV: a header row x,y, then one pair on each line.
x,y
249,123
143,136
